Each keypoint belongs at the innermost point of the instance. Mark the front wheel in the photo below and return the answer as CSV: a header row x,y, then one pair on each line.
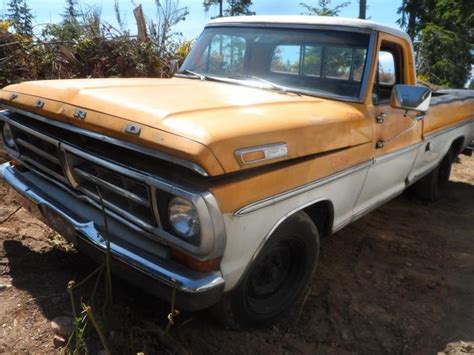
x,y
276,278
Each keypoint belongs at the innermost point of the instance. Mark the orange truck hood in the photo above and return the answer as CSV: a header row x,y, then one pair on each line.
x,y
201,121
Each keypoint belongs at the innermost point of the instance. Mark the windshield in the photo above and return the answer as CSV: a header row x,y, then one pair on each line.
x,y
320,62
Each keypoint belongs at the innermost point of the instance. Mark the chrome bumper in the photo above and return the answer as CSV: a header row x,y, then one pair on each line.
x,y
193,290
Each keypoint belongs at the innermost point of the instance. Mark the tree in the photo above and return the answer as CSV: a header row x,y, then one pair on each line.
x,y
444,28
70,28
71,12
323,8
122,23
414,14
234,7
169,14
19,14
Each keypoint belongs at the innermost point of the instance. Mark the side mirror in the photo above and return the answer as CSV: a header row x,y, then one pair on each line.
x,y
411,97
174,66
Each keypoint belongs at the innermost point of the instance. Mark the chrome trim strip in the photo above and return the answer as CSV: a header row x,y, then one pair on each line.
x,y
362,213
88,230
392,155
28,129
437,133
116,189
121,212
154,205
376,205
299,190
42,167
280,221
135,147
38,151
396,153
341,225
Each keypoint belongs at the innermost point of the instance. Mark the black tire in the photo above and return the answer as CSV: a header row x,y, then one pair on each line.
x,y
433,186
276,278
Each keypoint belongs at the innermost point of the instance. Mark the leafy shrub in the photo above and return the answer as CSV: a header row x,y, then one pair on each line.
x,y
85,47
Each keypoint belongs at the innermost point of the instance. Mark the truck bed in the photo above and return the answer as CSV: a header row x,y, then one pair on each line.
x,y
445,96
448,107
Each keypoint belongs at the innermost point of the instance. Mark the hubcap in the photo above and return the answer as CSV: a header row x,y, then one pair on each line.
x,y
276,277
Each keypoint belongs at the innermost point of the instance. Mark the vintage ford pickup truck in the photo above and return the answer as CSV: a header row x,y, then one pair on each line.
x,y
219,182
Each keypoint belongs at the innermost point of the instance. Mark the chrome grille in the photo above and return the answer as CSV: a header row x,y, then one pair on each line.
x,y
122,194
40,153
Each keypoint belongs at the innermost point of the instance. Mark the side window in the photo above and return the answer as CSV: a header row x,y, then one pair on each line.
x,y
312,59
286,59
387,68
389,72
226,55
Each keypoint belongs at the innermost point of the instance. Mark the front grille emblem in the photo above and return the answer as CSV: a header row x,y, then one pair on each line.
x,y
39,104
79,114
132,129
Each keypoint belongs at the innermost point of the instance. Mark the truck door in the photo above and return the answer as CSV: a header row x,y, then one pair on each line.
x,y
396,133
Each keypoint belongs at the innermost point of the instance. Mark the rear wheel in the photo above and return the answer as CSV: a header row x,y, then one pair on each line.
x,y
433,186
276,278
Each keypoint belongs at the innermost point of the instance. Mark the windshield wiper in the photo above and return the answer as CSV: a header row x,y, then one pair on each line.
x,y
277,87
203,77
193,73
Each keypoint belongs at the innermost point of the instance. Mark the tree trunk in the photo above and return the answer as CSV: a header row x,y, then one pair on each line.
x,y
362,9
220,8
141,24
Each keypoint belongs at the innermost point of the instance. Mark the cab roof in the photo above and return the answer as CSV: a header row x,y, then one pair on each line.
x,y
311,20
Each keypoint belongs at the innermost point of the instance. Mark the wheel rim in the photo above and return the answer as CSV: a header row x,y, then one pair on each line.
x,y
276,278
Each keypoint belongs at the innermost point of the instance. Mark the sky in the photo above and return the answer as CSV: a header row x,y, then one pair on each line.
x,y
46,11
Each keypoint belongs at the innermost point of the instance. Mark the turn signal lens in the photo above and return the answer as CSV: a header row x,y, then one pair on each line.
x,y
260,153
17,165
195,264
253,156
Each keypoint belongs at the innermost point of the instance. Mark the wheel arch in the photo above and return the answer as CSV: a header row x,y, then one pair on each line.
x,y
321,212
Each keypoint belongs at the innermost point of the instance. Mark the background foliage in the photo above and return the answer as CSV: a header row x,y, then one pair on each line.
x,y
445,30
83,45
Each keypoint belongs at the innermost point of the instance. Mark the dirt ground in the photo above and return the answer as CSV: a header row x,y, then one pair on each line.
x,y
400,280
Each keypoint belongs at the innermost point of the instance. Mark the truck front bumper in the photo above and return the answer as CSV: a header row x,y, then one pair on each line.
x,y
154,274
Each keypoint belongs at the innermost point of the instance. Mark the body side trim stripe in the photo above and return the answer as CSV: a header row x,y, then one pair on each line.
x,y
254,206
396,153
440,131
301,189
